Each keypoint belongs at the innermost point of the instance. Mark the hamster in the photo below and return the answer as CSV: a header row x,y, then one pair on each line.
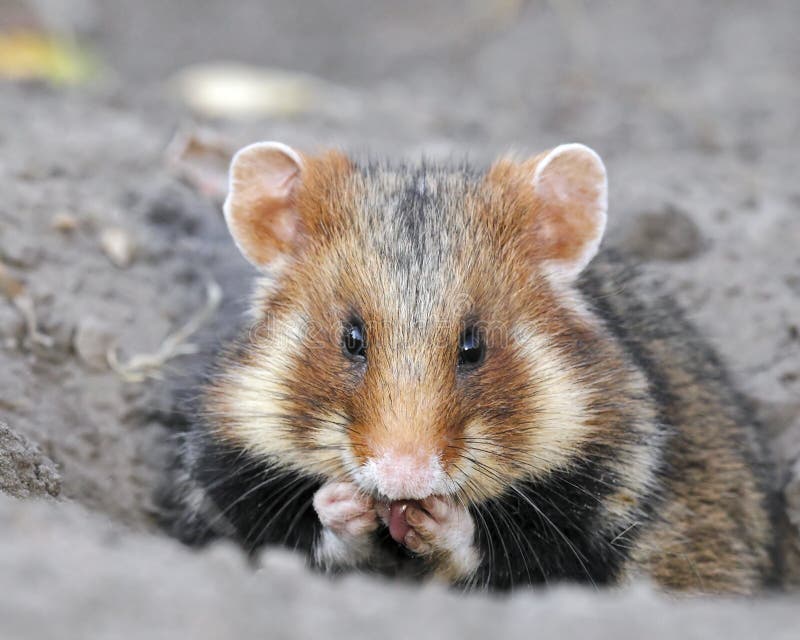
x,y
440,378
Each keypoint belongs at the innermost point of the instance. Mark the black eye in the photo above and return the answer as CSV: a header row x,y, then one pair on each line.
x,y
471,348
354,340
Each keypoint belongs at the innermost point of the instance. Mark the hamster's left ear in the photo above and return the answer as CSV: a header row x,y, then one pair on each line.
x,y
260,208
571,184
567,216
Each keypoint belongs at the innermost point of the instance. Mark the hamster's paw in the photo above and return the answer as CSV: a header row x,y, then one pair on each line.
x,y
445,531
348,518
344,510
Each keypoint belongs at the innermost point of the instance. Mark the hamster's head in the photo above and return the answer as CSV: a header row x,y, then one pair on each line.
x,y
415,329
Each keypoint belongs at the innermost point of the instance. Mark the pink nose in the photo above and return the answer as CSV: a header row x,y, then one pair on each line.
x,y
401,476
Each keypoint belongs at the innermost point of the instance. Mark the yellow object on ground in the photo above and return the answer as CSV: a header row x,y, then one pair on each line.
x,y
29,55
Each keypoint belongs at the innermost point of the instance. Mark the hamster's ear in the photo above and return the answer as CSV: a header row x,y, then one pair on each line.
x,y
571,192
260,208
571,184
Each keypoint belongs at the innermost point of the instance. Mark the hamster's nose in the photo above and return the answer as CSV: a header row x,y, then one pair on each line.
x,y
406,476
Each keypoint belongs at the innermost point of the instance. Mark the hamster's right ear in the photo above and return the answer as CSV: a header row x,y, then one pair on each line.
x,y
559,198
260,209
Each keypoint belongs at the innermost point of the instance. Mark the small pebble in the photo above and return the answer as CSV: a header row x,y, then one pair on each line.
x,y
118,246
91,341
64,222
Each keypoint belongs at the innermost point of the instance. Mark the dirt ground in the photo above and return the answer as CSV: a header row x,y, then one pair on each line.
x,y
107,246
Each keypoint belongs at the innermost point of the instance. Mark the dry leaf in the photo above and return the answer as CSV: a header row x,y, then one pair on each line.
x,y
148,365
201,160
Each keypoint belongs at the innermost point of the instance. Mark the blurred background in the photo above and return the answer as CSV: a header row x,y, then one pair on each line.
x,y
117,121
714,76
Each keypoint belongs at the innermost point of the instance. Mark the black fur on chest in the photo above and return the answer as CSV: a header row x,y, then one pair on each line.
x,y
258,504
552,530
255,502
538,532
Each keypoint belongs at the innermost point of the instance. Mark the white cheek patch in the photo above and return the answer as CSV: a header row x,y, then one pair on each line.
x,y
253,393
465,466
253,397
559,405
475,483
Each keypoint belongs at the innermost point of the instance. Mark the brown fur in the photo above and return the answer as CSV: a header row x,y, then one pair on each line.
x,y
556,385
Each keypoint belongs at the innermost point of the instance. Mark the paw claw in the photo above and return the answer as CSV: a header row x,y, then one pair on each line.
x,y
415,543
383,510
414,516
438,524
437,506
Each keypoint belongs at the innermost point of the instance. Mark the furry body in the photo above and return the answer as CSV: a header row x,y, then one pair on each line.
x,y
597,441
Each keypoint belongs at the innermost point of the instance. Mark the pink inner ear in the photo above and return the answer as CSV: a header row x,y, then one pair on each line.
x,y
571,184
265,169
575,176
259,209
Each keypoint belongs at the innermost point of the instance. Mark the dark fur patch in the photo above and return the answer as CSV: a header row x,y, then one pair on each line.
x,y
253,501
551,530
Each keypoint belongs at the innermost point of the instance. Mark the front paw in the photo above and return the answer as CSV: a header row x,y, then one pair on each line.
x,y
348,518
443,530
344,510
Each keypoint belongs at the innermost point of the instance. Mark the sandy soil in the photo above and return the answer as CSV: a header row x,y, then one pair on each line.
x,y
695,112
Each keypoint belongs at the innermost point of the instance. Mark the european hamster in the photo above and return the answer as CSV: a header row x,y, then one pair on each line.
x,y
436,381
